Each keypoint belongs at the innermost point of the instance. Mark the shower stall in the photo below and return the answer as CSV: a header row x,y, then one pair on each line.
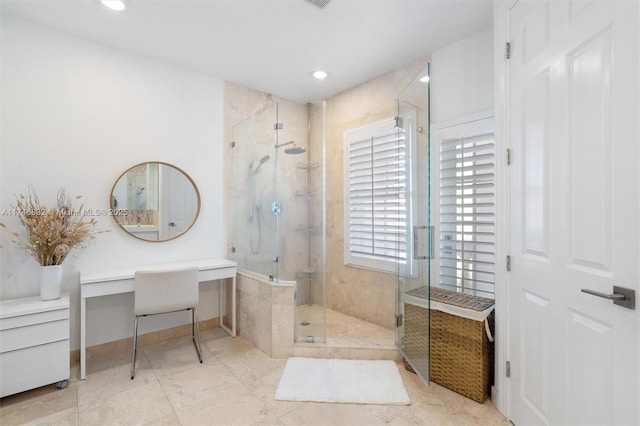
x,y
278,205
283,219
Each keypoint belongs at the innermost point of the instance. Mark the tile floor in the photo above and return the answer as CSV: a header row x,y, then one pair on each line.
x,y
235,385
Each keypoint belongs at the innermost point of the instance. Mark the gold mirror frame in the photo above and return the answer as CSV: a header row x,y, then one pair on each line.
x,y
141,222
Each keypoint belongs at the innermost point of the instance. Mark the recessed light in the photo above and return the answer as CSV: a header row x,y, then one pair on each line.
x,y
425,79
114,4
319,74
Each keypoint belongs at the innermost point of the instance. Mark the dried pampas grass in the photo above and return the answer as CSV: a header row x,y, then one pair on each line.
x,y
51,232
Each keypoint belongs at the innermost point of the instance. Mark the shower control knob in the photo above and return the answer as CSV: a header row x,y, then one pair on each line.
x,y
276,208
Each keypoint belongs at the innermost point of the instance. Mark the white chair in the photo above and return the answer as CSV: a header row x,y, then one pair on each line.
x,y
158,292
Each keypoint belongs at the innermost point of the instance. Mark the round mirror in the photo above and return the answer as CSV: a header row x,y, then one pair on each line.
x,y
155,201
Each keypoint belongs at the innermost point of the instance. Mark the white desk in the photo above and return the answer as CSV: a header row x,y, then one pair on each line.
x,y
118,281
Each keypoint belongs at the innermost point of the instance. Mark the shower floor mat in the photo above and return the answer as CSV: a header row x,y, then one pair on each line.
x,y
342,381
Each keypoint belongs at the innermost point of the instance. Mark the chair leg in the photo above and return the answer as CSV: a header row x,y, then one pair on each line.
x,y
196,323
135,345
193,323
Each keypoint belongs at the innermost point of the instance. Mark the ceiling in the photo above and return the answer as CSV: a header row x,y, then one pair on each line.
x,y
270,45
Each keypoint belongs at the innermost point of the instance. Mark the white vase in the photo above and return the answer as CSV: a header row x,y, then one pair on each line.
x,y
50,282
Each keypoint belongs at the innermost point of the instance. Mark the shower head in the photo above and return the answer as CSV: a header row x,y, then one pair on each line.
x,y
294,150
262,161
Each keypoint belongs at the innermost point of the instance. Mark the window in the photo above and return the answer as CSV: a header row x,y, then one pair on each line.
x,y
377,181
467,214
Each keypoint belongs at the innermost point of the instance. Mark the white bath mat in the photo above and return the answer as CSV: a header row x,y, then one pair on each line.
x,y
342,380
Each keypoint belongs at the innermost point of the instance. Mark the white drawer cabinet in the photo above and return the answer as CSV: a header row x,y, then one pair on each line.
x,y
34,343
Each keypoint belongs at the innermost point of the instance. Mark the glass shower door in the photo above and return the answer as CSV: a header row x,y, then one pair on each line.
x,y
412,125
278,214
253,190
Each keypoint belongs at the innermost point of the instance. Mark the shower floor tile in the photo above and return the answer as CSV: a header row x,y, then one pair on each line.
x,y
310,319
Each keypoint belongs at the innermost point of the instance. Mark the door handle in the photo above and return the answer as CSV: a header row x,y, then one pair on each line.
x,y
430,246
621,296
415,242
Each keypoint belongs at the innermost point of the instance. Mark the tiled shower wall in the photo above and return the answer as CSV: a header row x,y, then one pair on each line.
x,y
364,294
256,140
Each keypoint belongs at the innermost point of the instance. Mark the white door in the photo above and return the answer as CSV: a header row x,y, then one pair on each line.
x,y
183,201
574,210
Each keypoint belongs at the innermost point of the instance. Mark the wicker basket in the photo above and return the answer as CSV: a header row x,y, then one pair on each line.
x,y
461,357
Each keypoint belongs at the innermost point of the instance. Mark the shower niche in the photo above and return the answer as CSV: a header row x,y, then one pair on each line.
x,y
277,213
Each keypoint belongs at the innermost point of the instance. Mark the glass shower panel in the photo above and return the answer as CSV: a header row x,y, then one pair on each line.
x,y
278,205
291,149
413,126
308,232
253,192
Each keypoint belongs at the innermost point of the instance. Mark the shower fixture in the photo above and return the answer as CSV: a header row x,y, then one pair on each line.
x,y
262,161
253,172
253,208
293,150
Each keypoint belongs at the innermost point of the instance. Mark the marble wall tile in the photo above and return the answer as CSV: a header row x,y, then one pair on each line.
x,y
377,308
335,216
267,319
249,121
263,310
282,331
254,312
282,295
240,102
372,101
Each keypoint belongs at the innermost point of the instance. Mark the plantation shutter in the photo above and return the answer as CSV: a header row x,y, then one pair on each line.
x,y
378,213
467,214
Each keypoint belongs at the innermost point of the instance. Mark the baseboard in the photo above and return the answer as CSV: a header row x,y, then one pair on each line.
x,y
143,340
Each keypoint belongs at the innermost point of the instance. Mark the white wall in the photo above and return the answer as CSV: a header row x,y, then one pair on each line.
x,y
462,78
76,114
